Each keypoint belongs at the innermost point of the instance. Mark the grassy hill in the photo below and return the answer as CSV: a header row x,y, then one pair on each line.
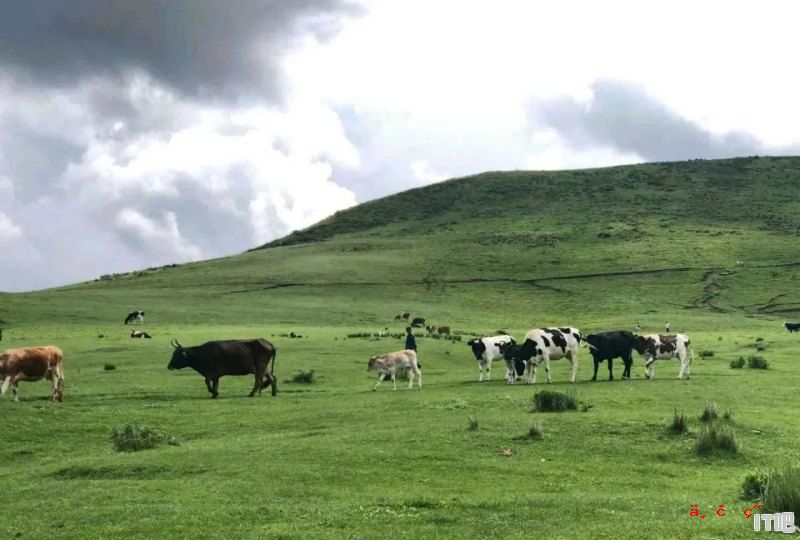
x,y
597,249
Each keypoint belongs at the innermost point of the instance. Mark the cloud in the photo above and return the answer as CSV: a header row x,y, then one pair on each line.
x,y
623,117
158,236
8,229
207,47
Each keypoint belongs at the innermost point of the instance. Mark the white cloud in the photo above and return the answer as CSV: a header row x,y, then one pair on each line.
x,y
8,229
158,236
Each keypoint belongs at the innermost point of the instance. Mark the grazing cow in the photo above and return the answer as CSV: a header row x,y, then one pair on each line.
x,y
610,345
32,364
134,317
214,359
443,330
398,317
487,350
406,315
418,322
543,345
389,364
658,346
792,327
430,328
140,335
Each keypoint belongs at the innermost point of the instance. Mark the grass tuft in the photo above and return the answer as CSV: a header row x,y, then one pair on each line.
x,y
715,437
552,401
710,412
727,415
754,486
679,424
133,437
109,367
778,490
302,377
738,363
535,431
706,354
757,362
472,424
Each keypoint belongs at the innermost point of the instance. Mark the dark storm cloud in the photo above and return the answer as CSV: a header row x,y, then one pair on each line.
x,y
624,117
207,47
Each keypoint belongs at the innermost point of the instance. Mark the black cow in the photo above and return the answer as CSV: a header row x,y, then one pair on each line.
x,y
418,322
792,327
214,359
514,354
610,345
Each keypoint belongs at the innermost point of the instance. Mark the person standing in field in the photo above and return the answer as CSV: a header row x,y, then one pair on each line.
x,y
666,327
411,342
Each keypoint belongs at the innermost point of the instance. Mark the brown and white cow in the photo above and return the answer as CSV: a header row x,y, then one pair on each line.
x,y
659,346
32,364
389,364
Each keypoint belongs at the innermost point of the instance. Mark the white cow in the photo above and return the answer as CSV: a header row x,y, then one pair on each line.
x,y
659,346
543,345
390,363
487,350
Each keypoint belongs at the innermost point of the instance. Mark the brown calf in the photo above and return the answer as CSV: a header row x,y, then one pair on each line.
x,y
32,364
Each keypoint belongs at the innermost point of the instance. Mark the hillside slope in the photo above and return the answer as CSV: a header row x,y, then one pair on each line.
x,y
664,232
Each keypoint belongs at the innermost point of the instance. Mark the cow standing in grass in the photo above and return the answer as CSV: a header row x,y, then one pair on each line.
x,y
540,346
214,359
659,346
135,317
486,350
605,346
391,363
792,327
32,364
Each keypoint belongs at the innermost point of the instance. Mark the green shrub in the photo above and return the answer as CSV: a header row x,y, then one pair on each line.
x,y
727,415
472,424
680,423
706,354
757,362
715,437
109,367
738,363
551,401
710,412
133,437
754,486
302,377
782,491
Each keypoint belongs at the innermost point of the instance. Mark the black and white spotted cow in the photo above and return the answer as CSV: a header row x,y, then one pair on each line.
x,y
487,350
660,346
134,317
542,345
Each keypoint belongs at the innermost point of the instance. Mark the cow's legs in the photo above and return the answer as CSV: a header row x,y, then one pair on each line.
x,y
628,361
596,366
394,381
489,370
14,383
380,380
419,378
411,374
610,369
4,388
531,370
547,369
215,392
480,372
259,382
208,385
651,370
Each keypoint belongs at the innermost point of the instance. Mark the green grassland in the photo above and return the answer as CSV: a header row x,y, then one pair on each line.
x,y
596,249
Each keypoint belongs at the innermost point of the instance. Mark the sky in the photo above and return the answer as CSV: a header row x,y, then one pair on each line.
x,y
137,133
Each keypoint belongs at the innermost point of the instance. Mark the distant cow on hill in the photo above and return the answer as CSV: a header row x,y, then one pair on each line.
x,y
214,359
389,364
137,334
487,349
32,364
418,322
610,345
792,327
134,317
443,330
658,346
543,345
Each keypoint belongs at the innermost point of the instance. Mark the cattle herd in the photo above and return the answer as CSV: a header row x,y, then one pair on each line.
x,y
215,359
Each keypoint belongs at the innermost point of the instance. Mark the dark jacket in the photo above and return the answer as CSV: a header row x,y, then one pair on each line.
x,y
411,343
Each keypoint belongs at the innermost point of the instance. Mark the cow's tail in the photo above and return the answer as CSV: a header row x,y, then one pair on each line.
x,y
272,361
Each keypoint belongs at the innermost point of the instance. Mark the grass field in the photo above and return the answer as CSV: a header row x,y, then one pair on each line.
x,y
597,249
